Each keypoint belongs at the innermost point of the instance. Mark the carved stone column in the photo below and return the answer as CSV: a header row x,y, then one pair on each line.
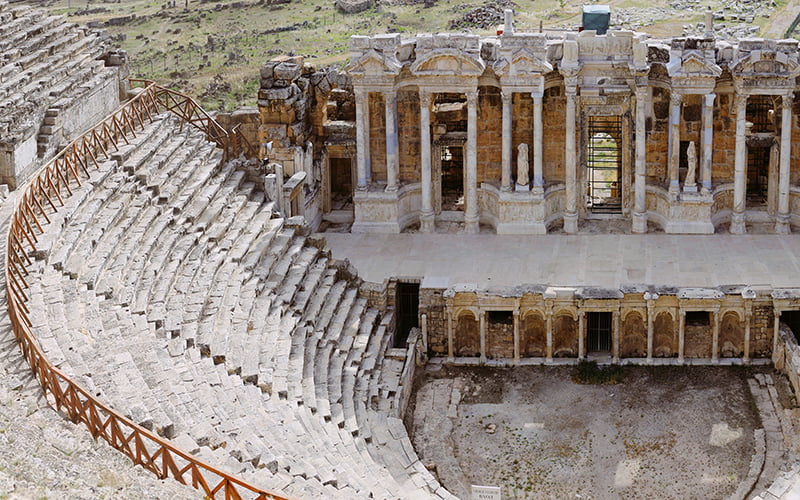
x,y
482,315
507,154
362,138
450,337
581,335
675,101
538,143
471,177
748,317
706,160
715,339
681,334
740,167
650,319
516,335
640,200
571,209
392,140
426,216
615,336
782,224
549,328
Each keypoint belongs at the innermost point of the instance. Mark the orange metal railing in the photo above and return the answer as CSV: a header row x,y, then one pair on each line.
x,y
232,143
42,197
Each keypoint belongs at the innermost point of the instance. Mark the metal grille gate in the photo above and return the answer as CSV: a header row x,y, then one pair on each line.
x,y
598,331
604,165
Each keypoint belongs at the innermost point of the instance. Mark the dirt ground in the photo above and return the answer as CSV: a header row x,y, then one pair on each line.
x,y
664,432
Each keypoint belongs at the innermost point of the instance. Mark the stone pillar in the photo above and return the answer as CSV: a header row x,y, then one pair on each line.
x,y
423,321
776,328
748,317
782,224
706,160
482,315
650,317
681,334
516,336
674,143
581,335
392,140
615,336
549,327
450,337
571,209
507,153
362,137
426,216
538,143
640,200
471,177
740,167
715,339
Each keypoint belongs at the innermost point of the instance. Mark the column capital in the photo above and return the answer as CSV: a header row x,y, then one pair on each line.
x,y
708,99
360,93
506,95
472,98
425,98
786,101
537,95
740,100
675,99
389,94
641,93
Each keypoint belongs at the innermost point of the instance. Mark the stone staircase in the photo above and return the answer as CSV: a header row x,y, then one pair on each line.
x,y
168,288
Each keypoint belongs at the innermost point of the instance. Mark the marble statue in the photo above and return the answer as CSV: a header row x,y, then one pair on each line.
x,y
691,173
523,177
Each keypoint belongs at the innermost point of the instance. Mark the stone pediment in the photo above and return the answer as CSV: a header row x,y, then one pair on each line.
x,y
374,63
448,62
523,63
693,65
766,64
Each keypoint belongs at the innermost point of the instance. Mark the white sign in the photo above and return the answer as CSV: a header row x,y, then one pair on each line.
x,y
486,492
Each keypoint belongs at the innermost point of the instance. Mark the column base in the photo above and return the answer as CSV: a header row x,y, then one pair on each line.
x,y
426,223
639,223
782,224
571,223
548,361
737,223
471,226
391,189
649,361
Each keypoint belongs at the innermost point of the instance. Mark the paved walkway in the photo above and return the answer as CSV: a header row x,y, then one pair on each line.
x,y
608,260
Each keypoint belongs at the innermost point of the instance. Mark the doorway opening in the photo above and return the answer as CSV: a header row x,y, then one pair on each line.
x,y
757,176
604,165
452,161
792,320
341,170
598,332
407,304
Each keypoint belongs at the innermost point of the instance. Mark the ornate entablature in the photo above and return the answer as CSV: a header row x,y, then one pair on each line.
x,y
765,66
692,65
522,62
373,60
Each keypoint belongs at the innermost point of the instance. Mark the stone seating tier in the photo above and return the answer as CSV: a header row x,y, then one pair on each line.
x,y
173,292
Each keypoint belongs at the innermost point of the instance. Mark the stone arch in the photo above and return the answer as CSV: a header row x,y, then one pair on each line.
x,y
665,342
534,335
633,337
467,335
731,335
565,335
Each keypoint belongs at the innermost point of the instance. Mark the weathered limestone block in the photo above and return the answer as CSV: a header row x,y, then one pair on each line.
x,y
353,6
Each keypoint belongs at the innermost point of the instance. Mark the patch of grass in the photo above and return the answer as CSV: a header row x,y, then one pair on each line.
x,y
587,372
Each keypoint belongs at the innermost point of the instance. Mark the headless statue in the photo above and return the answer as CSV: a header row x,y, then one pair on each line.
x,y
691,173
523,177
